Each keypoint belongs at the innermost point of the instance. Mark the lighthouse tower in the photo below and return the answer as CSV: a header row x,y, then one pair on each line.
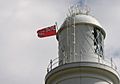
x,y
81,52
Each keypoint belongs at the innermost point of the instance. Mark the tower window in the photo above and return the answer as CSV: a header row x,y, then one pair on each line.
x,y
98,41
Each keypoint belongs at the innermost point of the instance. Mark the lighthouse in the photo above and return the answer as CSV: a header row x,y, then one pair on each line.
x,y
81,52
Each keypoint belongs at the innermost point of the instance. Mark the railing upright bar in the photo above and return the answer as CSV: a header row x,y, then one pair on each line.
x,y
111,62
51,64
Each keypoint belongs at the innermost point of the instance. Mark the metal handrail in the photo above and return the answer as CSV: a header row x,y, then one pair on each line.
x,y
56,62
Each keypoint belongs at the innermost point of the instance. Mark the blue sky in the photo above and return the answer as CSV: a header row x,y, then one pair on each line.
x,y
24,57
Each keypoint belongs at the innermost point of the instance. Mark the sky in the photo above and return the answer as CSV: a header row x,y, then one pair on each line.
x,y
24,57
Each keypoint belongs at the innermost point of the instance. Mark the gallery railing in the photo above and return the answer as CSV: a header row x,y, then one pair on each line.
x,y
57,62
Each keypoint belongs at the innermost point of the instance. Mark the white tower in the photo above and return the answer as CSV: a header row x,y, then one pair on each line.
x,y
81,52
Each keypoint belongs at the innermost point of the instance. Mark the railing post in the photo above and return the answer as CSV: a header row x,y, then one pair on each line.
x,y
111,62
98,59
47,69
51,64
115,67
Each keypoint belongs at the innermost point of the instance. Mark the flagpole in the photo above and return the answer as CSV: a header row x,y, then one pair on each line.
x,y
56,26
67,37
74,38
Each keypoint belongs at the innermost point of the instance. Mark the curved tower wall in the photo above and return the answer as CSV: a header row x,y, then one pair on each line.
x,y
81,38
82,73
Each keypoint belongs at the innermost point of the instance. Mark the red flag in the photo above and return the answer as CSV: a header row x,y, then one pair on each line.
x,y
48,31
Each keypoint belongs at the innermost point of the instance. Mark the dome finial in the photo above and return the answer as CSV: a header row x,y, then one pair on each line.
x,y
79,8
